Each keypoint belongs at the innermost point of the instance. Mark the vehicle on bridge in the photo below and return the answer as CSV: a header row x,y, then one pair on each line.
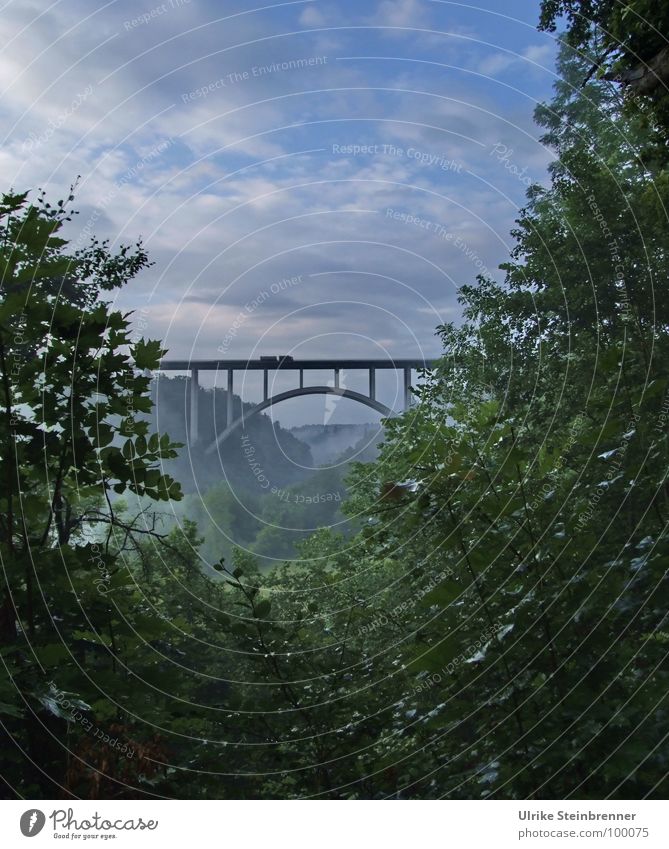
x,y
282,358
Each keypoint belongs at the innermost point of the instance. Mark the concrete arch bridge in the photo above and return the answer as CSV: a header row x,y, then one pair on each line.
x,y
286,363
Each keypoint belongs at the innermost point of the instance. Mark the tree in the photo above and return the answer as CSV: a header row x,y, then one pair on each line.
x,y
538,454
627,42
73,389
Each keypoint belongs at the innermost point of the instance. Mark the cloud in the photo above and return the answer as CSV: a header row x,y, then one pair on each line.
x,y
536,58
250,190
401,13
314,16
541,54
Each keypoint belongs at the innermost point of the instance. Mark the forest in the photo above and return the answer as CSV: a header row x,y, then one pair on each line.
x,y
492,622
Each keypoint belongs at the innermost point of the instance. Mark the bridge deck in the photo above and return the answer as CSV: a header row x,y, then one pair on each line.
x,y
292,365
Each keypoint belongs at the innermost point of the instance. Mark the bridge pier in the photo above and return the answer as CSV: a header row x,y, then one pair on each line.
x,y
230,400
372,384
407,388
194,407
153,395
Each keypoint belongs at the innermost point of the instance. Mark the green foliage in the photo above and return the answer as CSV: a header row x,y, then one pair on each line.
x,y
73,388
626,42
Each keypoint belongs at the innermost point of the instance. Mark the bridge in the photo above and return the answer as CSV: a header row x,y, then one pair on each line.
x,y
287,363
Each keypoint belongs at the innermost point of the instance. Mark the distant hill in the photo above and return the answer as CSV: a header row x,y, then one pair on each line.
x,y
329,442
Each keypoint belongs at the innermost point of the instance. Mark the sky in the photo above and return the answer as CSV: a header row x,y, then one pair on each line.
x,y
314,178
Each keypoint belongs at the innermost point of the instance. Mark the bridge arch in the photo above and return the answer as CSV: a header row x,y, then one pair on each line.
x,y
296,393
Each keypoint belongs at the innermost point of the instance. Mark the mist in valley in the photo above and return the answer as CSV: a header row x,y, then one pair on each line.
x,y
266,487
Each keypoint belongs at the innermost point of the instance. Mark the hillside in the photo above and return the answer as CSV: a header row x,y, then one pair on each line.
x,y
259,456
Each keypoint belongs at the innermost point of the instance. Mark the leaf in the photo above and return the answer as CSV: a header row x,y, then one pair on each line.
x,y
128,449
262,609
105,435
147,354
443,595
440,658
